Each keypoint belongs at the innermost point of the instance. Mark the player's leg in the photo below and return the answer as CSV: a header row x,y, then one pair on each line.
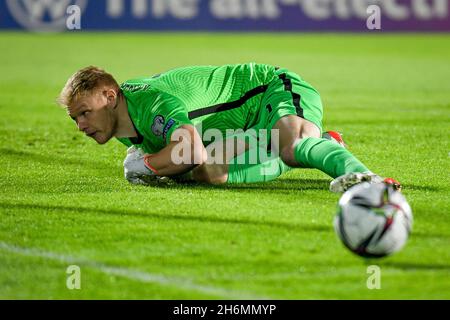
x,y
301,146
342,183
237,161
294,108
296,112
240,173
215,170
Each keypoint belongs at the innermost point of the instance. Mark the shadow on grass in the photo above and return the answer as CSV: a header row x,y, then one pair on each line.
x,y
273,186
410,266
279,184
422,188
27,157
286,184
428,235
276,185
172,216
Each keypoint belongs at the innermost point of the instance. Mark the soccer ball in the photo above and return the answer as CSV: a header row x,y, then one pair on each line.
x,y
373,220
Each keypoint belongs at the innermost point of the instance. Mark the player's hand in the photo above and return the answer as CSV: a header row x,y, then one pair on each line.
x,y
135,170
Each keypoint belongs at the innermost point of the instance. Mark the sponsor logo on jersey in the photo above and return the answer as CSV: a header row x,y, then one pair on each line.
x,y
158,125
42,15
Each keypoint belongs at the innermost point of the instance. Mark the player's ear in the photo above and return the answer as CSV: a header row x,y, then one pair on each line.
x,y
111,97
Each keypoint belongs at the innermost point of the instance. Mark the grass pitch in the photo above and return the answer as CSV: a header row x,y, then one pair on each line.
x,y
64,200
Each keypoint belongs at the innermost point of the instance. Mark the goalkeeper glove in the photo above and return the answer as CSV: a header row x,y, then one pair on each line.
x,y
135,169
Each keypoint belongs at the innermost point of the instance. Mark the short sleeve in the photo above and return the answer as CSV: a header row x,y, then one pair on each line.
x,y
166,114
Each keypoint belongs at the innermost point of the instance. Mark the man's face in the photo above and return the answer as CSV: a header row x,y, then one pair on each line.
x,y
94,114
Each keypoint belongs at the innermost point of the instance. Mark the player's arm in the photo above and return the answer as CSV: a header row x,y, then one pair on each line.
x,y
184,152
177,143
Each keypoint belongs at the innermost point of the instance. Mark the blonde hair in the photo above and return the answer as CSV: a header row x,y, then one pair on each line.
x,y
85,81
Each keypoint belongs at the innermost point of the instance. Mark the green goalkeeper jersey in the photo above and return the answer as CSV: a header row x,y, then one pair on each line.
x,y
217,97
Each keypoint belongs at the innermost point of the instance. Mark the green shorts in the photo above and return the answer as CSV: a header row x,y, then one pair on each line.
x,y
289,94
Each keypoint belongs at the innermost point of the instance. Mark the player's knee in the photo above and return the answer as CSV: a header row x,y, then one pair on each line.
x,y
287,154
309,130
210,174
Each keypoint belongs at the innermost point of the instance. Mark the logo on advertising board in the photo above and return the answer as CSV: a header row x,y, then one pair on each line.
x,y
43,15
230,15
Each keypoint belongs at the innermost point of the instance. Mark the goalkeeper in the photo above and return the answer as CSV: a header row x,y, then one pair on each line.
x,y
172,120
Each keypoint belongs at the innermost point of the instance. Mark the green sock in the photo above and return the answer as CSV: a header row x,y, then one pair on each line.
x,y
260,172
327,156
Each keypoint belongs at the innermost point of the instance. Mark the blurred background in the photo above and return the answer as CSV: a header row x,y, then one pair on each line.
x,y
226,15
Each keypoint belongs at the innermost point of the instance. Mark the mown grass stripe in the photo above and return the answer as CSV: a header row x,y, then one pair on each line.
x,y
128,273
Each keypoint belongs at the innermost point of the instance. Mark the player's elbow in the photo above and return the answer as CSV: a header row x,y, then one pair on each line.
x,y
198,154
189,146
198,151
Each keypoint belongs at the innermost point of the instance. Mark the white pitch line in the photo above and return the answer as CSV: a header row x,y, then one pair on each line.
x,y
132,274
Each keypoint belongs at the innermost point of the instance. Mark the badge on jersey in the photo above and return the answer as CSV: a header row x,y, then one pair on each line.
x,y
158,125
